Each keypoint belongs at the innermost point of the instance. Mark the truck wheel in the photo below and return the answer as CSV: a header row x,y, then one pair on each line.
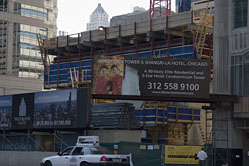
x,y
84,164
48,163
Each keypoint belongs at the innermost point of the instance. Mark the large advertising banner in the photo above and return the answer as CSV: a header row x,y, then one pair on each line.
x,y
22,111
55,109
151,77
5,112
181,154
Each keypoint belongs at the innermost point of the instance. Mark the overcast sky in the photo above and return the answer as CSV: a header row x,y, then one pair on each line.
x,y
74,14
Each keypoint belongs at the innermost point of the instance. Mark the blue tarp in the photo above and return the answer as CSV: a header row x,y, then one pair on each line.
x,y
185,52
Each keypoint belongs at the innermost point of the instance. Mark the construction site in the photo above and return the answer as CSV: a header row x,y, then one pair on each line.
x,y
155,120
186,35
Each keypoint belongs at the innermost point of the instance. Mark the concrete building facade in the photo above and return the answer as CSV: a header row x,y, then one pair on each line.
x,y
231,68
138,14
98,18
20,22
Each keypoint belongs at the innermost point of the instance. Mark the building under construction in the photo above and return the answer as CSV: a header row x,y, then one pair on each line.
x,y
68,63
185,35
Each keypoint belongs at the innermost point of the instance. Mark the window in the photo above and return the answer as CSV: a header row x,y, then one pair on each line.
x,y
240,13
246,77
28,34
77,151
100,150
239,74
236,74
30,13
3,5
67,151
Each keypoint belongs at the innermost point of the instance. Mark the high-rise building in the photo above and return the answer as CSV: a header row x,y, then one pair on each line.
x,y
231,76
98,18
20,22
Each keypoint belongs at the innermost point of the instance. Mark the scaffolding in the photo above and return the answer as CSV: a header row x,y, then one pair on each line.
x,y
217,142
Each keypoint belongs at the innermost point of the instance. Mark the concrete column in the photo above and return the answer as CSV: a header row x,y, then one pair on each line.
x,y
10,41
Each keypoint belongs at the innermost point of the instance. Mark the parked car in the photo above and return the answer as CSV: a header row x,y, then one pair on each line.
x,y
87,155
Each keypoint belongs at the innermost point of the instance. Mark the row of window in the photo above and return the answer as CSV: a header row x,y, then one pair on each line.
x,y
28,46
31,58
29,29
3,40
36,14
28,74
26,57
29,69
31,11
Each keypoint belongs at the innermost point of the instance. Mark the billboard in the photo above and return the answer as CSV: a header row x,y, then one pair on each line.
x,y
61,109
151,77
22,111
5,112
181,154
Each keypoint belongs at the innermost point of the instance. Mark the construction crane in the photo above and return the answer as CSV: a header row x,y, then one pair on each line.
x,y
159,8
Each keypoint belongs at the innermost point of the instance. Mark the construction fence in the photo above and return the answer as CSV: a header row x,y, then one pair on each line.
x,y
142,153
45,142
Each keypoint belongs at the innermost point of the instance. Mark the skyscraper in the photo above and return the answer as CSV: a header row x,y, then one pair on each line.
x,y
20,22
231,68
98,18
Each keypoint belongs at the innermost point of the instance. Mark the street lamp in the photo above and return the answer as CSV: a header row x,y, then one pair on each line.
x,y
101,28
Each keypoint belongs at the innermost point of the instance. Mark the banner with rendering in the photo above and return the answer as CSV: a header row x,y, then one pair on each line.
x,y
46,110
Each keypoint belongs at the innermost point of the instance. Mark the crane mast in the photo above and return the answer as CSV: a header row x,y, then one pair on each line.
x,y
159,8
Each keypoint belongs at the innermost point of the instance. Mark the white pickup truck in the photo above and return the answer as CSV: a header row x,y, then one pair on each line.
x,y
86,155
